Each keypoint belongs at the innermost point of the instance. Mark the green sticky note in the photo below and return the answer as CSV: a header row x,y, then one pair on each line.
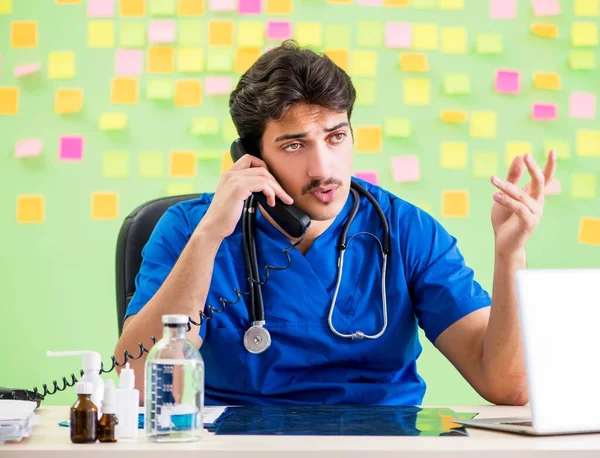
x,y
190,33
251,34
366,92
161,7
485,164
562,149
457,83
582,60
159,89
132,35
229,131
151,164
453,155
397,127
370,34
337,37
423,4
488,44
179,189
115,165
583,185
584,34
205,125
219,60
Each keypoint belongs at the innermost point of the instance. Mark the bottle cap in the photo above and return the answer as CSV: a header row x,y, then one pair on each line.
x,y
127,378
110,397
84,387
175,319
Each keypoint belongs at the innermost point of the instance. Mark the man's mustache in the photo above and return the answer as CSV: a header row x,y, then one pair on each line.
x,y
318,183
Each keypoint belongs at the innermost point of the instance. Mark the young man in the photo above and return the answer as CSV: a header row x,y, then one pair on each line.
x,y
293,109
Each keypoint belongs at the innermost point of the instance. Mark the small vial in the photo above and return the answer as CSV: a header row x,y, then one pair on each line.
x,y
108,421
84,416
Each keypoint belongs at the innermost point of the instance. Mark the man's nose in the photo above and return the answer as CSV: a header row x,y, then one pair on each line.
x,y
318,163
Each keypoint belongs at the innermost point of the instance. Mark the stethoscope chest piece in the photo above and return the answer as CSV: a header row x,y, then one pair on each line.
x,y
257,339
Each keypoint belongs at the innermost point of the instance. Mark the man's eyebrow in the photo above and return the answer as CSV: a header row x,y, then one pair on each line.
x,y
304,134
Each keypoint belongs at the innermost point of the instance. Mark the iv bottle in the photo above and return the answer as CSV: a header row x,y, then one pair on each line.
x,y
174,385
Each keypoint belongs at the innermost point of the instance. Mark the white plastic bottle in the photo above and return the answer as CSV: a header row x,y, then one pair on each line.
x,y
128,400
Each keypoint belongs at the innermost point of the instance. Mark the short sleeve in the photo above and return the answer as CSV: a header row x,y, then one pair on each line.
x,y
443,288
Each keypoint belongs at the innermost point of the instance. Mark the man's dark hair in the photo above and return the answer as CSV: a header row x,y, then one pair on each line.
x,y
281,77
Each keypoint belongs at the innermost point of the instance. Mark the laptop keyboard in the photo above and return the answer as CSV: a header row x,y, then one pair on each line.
x,y
518,423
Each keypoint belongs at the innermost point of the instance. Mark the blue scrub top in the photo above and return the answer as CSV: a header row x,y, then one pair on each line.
x,y
428,285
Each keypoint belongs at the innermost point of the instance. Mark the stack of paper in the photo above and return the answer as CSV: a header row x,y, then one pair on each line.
x,y
16,419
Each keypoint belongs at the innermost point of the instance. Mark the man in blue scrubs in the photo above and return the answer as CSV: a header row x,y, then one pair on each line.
x,y
294,107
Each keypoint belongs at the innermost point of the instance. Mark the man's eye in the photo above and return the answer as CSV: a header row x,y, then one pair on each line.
x,y
293,147
337,138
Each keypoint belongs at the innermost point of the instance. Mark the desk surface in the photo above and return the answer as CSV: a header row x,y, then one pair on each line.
x,y
49,440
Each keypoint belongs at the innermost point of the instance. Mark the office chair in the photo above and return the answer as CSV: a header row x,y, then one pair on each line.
x,y
135,232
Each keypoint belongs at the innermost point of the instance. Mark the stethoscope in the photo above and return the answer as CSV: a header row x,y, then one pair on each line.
x,y
257,338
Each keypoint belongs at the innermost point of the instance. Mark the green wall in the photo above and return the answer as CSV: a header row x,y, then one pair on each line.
x,y
57,276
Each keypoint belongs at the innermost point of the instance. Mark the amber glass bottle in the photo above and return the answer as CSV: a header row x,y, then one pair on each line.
x,y
84,416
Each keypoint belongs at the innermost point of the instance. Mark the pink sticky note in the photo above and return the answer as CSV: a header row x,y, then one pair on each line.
x,y
128,62
101,8
71,149
368,175
398,35
279,30
214,85
222,5
24,70
582,105
545,7
161,31
30,147
250,7
508,81
370,2
406,168
553,187
503,9
544,112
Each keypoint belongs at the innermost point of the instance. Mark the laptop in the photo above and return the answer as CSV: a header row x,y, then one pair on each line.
x,y
559,311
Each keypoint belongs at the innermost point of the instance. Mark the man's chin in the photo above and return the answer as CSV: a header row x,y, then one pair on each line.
x,y
319,211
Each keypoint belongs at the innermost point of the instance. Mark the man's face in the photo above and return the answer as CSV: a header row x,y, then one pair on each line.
x,y
309,152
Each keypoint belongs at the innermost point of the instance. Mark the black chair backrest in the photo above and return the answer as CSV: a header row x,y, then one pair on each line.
x,y
133,236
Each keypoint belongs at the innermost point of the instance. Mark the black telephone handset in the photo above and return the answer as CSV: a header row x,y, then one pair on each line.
x,y
293,221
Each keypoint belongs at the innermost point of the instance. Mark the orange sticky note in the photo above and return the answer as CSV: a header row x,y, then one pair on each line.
x,y
132,8
160,59
545,30
455,204
368,139
244,58
30,209
547,80
187,8
104,205
339,56
9,100
23,34
279,7
589,231
413,62
453,116
68,101
220,33
188,93
182,164
226,163
124,91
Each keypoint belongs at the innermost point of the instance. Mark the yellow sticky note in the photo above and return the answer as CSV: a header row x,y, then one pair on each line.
x,y
229,131
188,8
190,60
309,33
226,163
279,7
113,121
397,127
584,34
485,164
560,147
182,164
251,34
115,165
188,93
9,100
582,60
457,83
159,89
453,116
61,65
244,58
588,142
101,34
483,124
413,62
396,3
589,231
160,59
587,8
451,4
68,101
368,139
337,37
23,34
455,204
514,149
30,209
180,189
205,125
425,37
5,6
124,91
104,205
67,2
453,155
454,40
364,63
339,56
417,92
132,8
220,33
489,44
583,185
547,80
545,30
366,92
151,164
